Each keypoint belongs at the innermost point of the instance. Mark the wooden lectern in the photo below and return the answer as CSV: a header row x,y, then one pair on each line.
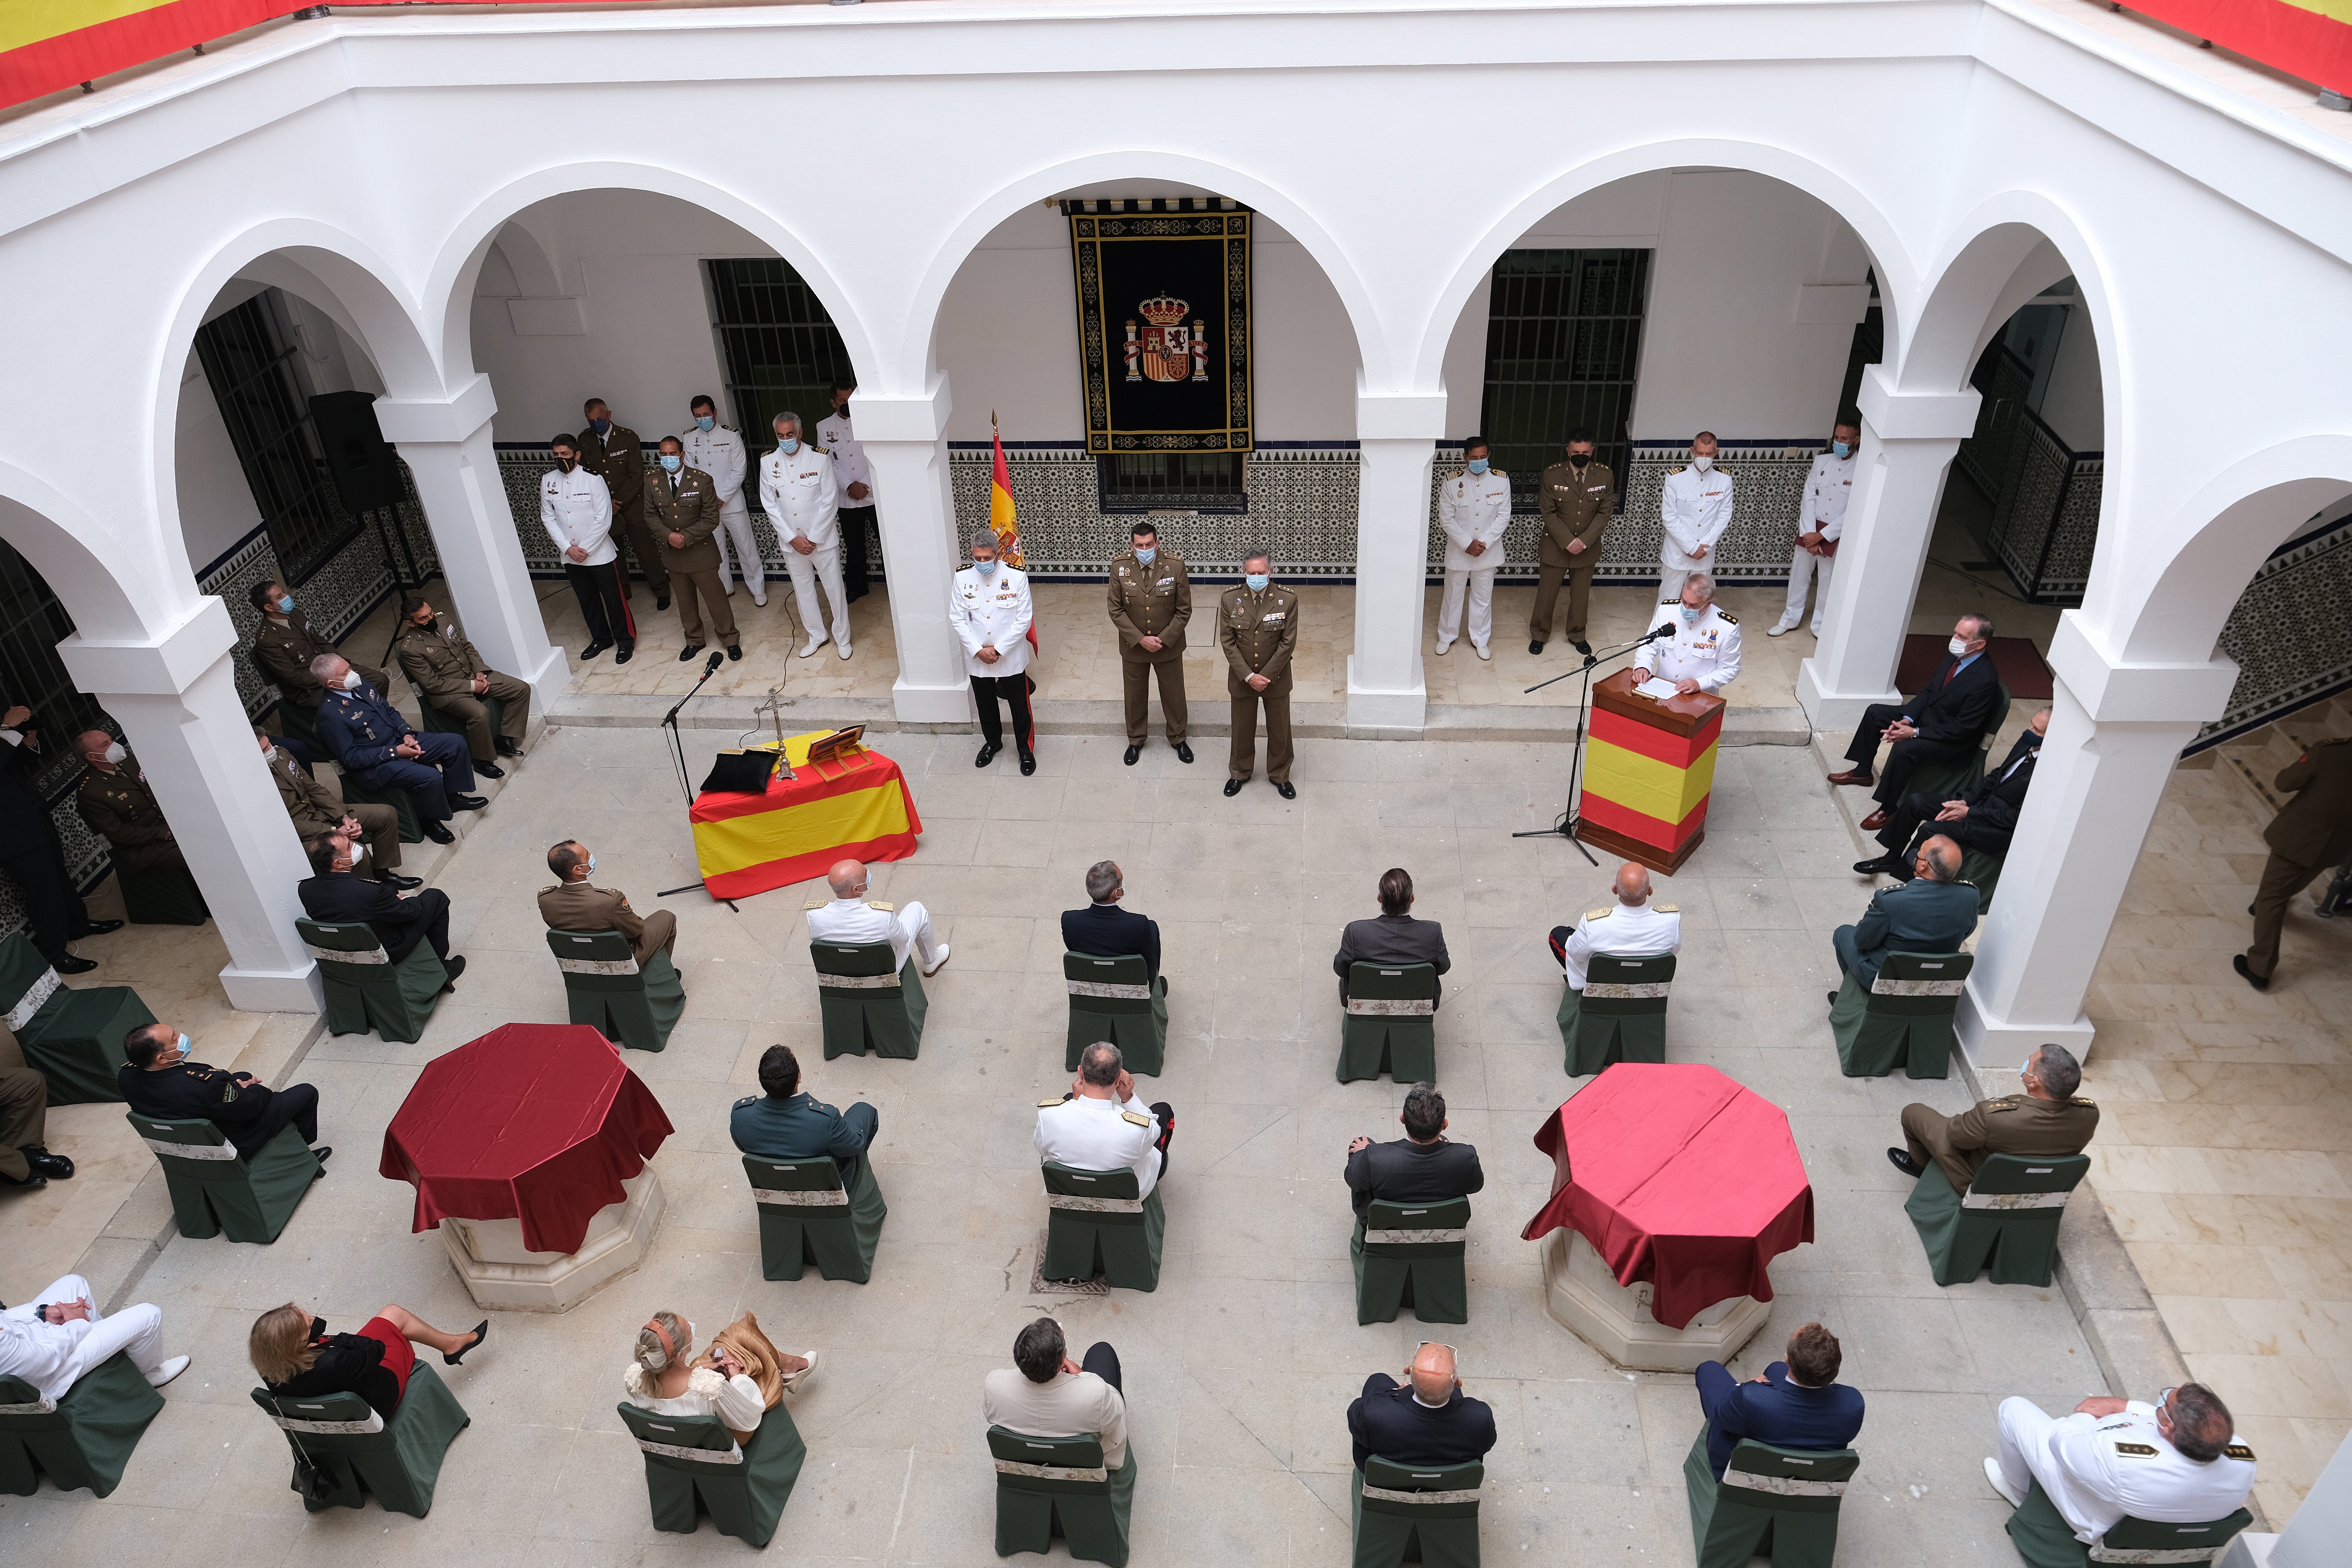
x,y
1648,770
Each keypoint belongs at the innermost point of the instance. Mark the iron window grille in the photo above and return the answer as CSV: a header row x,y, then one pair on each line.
x,y
1173,482
249,356
778,346
32,622
1563,348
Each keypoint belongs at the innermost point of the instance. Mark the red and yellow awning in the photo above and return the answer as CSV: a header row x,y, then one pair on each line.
x,y
2309,38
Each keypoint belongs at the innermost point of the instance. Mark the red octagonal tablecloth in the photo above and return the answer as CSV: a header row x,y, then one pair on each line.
x,y
541,1123
1679,1177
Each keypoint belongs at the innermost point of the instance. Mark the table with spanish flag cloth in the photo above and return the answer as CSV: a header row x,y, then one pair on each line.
x,y
856,808
1649,769
1679,1177
536,1122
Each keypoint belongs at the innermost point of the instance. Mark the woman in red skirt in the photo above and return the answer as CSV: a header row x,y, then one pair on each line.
x,y
296,1355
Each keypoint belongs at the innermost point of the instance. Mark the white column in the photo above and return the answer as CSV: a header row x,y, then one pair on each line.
x,y
905,441
1397,440
176,700
2115,732
1907,442
447,447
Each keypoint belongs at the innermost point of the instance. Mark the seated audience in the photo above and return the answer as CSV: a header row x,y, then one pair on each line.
x,y
2048,1118
1100,1125
1981,818
849,918
285,646
1044,1393
1632,928
314,811
23,1121
1944,722
297,1356
1934,913
1422,1167
667,1379
573,904
115,798
366,735
1106,930
1795,1404
443,665
331,893
2171,1463
1395,937
157,1079
62,1337
1424,1420
785,1124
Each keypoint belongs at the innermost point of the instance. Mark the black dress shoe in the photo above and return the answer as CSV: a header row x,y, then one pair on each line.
x,y
489,770
1883,866
397,882
661,601
508,748
1132,754
626,654
1535,645
1580,645
45,1163
69,964
1833,999
987,753
322,1151
1902,1161
468,802
735,651
439,833
33,1183
1183,751
454,966
1234,786
688,651
592,650
457,1357
1028,763
2238,963
100,928
1286,790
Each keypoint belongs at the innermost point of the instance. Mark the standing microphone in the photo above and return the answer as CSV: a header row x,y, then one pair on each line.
x,y
712,667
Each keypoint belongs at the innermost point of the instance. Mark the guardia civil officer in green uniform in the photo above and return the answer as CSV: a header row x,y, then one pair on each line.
x,y
1150,604
786,1125
1257,626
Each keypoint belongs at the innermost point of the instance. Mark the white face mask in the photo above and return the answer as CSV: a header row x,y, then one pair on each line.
x,y
1960,648
351,681
115,753
591,860
271,756
186,1048
1701,462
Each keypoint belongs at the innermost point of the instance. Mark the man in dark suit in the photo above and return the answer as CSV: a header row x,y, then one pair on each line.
x,y
785,1124
1425,1420
31,852
1797,1403
1422,1167
1980,818
366,735
1394,938
1948,717
157,1078
1934,913
333,894
1106,930
2311,832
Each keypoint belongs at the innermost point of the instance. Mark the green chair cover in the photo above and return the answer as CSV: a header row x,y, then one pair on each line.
x,y
869,1000
2007,1220
1951,779
1983,869
1781,1503
436,722
806,1217
161,896
365,989
1621,1014
292,720
396,796
694,1466
1113,999
1095,1225
1410,1255
608,991
1048,1487
73,1037
1905,1020
1389,1024
1415,1513
2044,1539
398,1460
82,1440
214,1192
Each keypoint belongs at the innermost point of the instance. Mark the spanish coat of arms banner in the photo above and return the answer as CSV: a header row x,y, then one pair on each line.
x,y
1163,288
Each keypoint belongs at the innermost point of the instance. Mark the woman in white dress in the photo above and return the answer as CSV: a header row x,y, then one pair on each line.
x,y
667,1380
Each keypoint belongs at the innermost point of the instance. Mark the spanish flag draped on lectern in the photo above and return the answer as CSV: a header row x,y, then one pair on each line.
x,y
1648,770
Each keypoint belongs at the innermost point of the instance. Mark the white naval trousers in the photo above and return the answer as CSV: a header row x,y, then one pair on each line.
x,y
1671,580
825,562
1802,566
138,1329
735,539
1478,585
2025,1429
918,921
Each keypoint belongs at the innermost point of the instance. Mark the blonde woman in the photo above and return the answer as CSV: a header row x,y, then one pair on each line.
x,y
296,1355
667,1379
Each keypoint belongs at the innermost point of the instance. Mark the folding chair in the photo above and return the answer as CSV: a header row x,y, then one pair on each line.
x,y
1095,1224
82,1440
1781,1503
2044,1539
2007,1220
161,896
1113,999
1621,1014
869,1001
1905,1019
73,1037
398,1460
608,990
806,1217
1981,871
1410,1254
694,1466
1048,1487
1415,1513
1391,1022
365,989
213,1191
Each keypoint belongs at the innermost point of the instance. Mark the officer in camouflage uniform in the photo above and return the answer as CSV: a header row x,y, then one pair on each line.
x,y
1150,603
115,798
451,674
1257,626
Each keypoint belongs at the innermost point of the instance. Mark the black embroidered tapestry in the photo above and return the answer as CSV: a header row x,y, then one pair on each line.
x,y
1163,324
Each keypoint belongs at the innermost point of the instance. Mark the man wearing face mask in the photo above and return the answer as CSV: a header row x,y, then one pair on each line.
x,y
576,510
717,451
314,811
1577,499
1981,818
369,739
158,1078
1703,653
1151,605
1695,506
683,505
286,644
989,606
447,671
1474,507
611,452
1945,720
854,476
332,893
573,904
799,489
115,798
2049,1120
1820,520
1257,626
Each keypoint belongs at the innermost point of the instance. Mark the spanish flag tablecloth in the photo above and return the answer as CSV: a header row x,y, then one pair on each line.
x,y
855,809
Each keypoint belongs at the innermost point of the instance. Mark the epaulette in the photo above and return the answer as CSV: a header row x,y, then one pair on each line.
x,y
1048,1104
748,1099
2084,1100
2238,1451
1666,908
1500,473
1600,914
1676,601
815,904
1684,466
1992,1105
1132,1116
2136,1450
1725,616
878,904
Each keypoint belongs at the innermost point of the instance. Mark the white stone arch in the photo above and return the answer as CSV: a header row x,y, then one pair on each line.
x,y
2008,250
66,545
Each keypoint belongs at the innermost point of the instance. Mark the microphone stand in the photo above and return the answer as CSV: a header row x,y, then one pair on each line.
x,y
677,758
1566,827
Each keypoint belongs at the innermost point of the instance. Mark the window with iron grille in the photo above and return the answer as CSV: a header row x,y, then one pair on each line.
x,y
248,357
1173,482
32,624
778,348
1563,345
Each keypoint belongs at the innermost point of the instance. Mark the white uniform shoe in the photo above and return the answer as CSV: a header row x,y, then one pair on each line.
x,y
843,647
172,1368
1481,653
816,643
1781,630
1441,647
2001,1484
759,598
938,963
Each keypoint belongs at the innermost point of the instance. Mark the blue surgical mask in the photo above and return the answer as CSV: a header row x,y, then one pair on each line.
x,y
788,444
600,425
672,462
591,860
186,1048
985,568
705,422
1477,465
1147,554
1257,582
286,603
1691,613
1843,449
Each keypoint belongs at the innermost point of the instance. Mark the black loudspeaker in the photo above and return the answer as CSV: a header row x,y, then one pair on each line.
x,y
365,468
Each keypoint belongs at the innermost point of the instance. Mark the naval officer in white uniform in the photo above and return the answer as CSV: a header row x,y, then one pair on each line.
x,y
854,476
798,490
1100,1125
1820,521
1632,928
1703,654
989,606
1474,507
718,451
2171,1463
849,918
576,510
1696,506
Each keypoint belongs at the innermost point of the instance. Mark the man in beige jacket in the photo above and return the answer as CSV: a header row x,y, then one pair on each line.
x,y
573,904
